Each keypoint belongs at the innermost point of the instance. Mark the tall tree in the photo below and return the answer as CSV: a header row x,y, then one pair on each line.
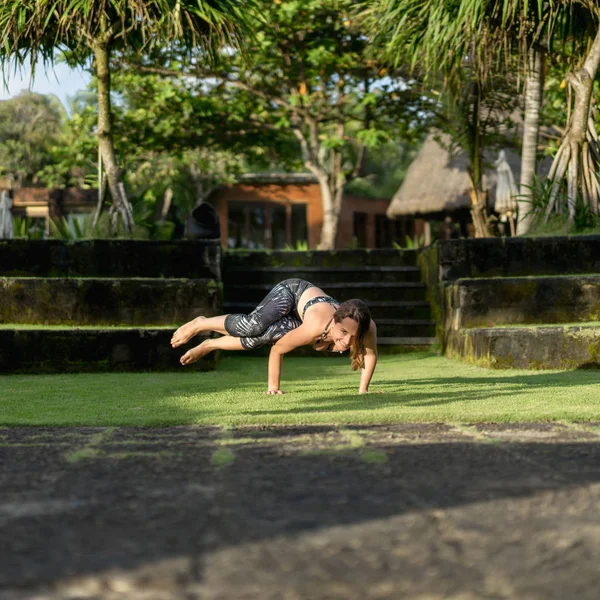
x,y
473,106
308,75
534,85
37,29
29,125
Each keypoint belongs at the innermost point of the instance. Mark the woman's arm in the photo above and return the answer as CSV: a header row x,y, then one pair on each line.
x,y
370,359
293,339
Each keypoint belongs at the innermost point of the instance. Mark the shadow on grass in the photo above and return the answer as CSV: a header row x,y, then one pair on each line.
x,y
443,391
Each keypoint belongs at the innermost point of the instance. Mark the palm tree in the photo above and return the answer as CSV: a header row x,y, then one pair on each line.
x,y
36,30
439,34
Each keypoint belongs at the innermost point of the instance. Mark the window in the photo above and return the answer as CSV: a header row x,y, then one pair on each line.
x,y
236,226
383,232
299,227
360,229
268,225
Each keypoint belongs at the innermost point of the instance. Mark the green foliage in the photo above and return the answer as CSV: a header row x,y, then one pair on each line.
x,y
74,228
412,243
301,246
34,30
30,229
30,125
585,221
384,168
307,82
74,154
555,105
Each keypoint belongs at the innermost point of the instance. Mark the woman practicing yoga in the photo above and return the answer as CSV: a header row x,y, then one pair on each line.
x,y
294,313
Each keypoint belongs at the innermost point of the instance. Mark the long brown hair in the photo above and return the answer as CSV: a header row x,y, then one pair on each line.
x,y
358,311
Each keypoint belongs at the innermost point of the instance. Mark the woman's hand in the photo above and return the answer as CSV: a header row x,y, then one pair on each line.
x,y
274,392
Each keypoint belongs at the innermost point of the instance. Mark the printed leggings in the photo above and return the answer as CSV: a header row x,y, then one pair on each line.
x,y
276,315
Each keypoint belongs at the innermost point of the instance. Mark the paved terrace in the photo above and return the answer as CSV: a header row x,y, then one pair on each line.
x,y
405,511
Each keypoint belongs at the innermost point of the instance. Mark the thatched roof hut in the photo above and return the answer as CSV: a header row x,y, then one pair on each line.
x,y
437,183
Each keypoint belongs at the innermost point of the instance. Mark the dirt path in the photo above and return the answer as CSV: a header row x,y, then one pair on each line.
x,y
421,512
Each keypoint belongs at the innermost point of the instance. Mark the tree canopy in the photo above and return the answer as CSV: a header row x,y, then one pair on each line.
x,y
306,74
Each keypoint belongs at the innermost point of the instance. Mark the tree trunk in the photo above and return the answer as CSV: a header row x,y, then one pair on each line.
x,y
578,156
479,214
331,199
121,209
478,208
533,102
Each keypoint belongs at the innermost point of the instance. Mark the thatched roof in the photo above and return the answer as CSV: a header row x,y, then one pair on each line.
x,y
438,183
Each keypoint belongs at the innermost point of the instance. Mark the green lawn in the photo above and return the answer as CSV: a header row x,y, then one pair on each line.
x,y
415,387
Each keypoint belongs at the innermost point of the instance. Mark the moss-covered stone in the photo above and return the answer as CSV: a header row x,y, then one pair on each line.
x,y
88,301
88,349
543,347
514,257
501,301
197,259
249,260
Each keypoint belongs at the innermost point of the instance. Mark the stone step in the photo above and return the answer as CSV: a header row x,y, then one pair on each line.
x,y
199,259
564,346
249,259
488,302
518,256
397,291
392,345
320,276
395,328
417,309
57,349
94,301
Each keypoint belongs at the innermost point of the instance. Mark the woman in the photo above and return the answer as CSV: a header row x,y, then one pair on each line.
x,y
294,313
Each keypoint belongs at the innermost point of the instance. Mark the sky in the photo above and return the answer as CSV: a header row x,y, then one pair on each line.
x,y
59,80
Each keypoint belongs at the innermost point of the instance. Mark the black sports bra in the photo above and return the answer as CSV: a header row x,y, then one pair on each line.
x,y
318,300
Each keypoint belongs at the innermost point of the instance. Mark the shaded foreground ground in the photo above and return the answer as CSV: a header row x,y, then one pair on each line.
x,y
402,511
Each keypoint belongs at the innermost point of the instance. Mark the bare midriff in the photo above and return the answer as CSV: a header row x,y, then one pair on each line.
x,y
309,294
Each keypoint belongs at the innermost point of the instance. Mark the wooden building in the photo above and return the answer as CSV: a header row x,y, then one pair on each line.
x,y
285,210
43,204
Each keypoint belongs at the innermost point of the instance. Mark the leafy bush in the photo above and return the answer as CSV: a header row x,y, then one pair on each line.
x,y
585,221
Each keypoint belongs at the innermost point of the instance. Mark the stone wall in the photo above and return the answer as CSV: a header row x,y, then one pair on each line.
x,y
103,304
515,257
476,285
199,259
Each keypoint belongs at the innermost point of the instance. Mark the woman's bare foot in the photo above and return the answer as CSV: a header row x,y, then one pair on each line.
x,y
186,332
195,354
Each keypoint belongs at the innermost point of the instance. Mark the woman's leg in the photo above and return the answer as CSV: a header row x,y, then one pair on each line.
x,y
223,343
275,331
279,302
198,325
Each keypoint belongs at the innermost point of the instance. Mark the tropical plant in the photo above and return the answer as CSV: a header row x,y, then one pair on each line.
x,y
585,220
25,227
490,30
472,108
412,243
38,30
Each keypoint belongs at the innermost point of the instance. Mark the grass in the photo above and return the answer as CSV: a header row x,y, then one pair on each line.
x,y
420,387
